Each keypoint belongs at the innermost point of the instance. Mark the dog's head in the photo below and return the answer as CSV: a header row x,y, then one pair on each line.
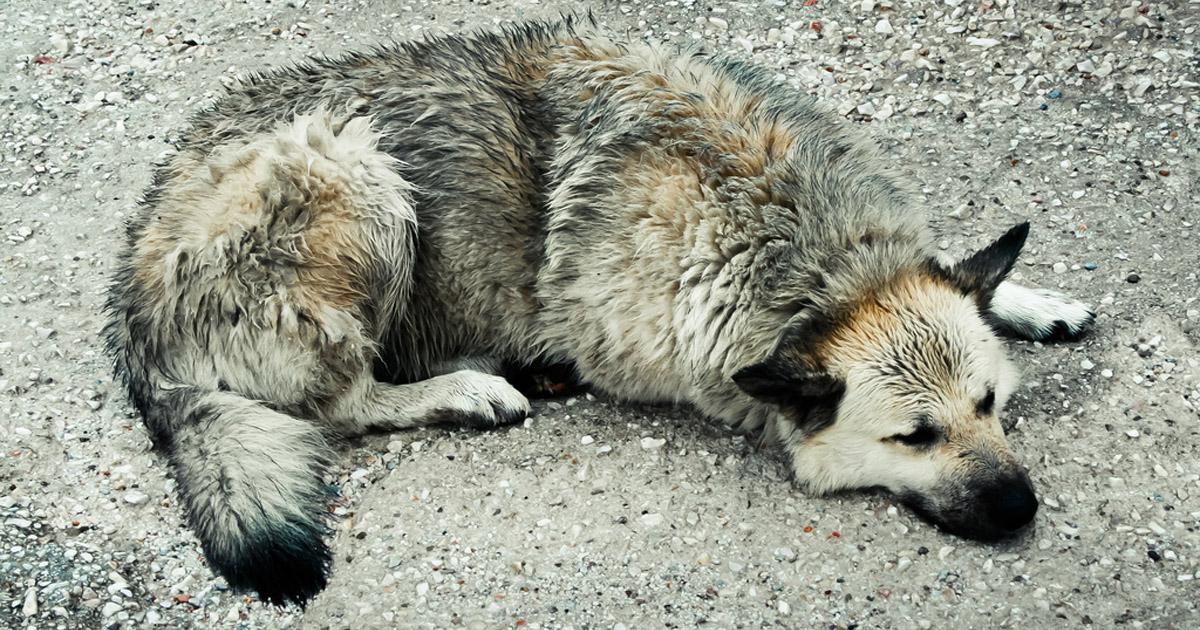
x,y
904,391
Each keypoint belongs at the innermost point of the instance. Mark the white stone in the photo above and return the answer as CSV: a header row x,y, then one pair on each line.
x,y
652,519
1143,84
60,44
651,444
983,42
30,608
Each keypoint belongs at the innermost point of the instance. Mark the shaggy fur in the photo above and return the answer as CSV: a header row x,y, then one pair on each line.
x,y
363,243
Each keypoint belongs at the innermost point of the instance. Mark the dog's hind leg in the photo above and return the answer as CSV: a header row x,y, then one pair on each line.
x,y
1038,314
464,397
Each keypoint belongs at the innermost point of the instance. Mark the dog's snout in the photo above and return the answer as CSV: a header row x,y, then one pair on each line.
x,y
1012,504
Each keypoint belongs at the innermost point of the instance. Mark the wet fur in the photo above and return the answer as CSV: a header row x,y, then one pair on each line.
x,y
334,242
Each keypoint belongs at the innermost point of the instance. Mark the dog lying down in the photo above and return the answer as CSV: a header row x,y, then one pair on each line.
x,y
361,243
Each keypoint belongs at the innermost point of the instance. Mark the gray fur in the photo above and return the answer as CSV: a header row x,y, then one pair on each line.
x,y
334,242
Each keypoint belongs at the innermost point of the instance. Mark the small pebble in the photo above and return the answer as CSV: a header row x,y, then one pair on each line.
x,y
650,444
30,606
651,519
985,42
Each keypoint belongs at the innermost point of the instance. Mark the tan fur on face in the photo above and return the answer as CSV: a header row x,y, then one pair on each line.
x,y
915,348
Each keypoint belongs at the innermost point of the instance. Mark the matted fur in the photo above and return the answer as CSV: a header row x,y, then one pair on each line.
x,y
335,241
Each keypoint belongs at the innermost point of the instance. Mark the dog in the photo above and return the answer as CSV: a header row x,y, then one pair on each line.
x,y
364,243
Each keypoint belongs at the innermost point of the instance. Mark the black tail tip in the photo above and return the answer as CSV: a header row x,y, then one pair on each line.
x,y
283,570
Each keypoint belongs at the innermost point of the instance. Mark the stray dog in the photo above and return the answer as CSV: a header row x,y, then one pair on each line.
x,y
364,243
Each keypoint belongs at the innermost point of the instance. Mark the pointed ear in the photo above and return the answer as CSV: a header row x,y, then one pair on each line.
x,y
809,398
785,379
791,377
983,271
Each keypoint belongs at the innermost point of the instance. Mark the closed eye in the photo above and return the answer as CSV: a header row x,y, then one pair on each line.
x,y
987,404
922,436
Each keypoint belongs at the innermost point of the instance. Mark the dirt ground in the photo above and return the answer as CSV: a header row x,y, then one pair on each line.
x,y
1080,116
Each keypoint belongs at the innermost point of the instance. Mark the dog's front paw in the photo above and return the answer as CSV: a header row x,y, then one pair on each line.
x,y
1040,314
483,400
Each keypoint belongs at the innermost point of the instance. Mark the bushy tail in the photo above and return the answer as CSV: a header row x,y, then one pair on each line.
x,y
251,483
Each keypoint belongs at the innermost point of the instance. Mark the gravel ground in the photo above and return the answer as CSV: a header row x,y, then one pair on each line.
x,y
1079,116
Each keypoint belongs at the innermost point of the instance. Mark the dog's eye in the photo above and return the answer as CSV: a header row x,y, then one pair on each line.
x,y
922,436
986,404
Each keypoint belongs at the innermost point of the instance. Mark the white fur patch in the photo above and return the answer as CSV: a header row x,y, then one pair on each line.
x,y
1038,314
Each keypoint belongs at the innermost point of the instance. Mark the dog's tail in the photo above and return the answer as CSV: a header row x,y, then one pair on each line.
x,y
251,483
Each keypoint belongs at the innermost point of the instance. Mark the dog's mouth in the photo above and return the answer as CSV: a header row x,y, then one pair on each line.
x,y
999,511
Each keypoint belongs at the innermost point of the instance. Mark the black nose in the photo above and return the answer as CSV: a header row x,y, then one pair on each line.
x,y
1011,505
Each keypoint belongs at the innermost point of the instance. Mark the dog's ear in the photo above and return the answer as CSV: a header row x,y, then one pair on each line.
x,y
781,383
980,274
809,397
790,375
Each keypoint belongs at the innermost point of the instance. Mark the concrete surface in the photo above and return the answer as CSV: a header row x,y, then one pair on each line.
x,y
1079,116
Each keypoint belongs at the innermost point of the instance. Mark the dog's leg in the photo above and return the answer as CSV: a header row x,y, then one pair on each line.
x,y
464,397
1038,314
484,364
